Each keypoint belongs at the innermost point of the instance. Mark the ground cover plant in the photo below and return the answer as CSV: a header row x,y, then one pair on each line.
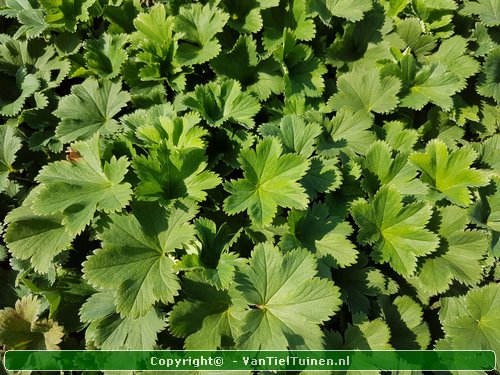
x,y
250,174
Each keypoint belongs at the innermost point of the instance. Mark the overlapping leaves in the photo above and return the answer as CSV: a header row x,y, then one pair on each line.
x,y
301,174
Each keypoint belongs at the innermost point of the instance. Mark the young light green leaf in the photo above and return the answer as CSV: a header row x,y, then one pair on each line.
x,y
136,256
89,109
294,16
449,173
434,84
352,10
270,180
397,232
218,103
66,13
399,138
199,24
246,15
452,54
287,297
169,174
365,92
79,188
177,133
295,135
156,46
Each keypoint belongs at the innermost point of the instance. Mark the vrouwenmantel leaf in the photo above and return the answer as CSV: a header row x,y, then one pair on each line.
x,y
270,180
138,255
249,174
287,297
80,187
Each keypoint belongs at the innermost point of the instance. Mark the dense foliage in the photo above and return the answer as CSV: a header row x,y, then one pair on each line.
x,y
250,174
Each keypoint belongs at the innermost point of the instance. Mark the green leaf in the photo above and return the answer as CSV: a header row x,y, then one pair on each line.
x,y
409,331
169,174
34,237
434,84
358,282
364,91
490,152
489,82
302,72
31,18
199,25
221,102
177,133
449,173
295,135
77,189
352,10
412,32
397,232
17,89
220,264
156,47
399,138
10,144
270,180
382,169
245,15
89,109
396,6
476,324
110,331
323,176
347,132
362,335
322,234
261,77
493,200
290,300
452,54
33,23
461,256
487,10
294,16
66,13
136,258
21,328
209,318
106,55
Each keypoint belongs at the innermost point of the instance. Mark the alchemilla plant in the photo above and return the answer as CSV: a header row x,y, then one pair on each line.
x,y
245,174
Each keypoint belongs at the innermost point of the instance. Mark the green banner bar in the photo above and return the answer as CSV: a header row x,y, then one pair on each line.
x,y
227,360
